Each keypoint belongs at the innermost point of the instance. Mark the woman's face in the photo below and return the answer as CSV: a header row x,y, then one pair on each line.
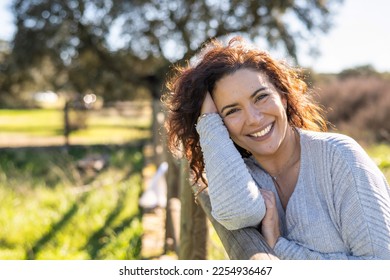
x,y
253,111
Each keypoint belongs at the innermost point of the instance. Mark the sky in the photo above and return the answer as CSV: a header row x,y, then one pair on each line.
x,y
360,36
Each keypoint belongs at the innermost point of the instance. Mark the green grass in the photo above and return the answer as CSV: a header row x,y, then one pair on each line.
x,y
381,155
105,126
41,122
51,210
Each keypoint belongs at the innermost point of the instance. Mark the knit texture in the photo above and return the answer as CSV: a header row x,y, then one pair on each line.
x,y
340,208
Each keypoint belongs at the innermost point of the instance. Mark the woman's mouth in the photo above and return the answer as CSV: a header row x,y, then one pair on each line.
x,y
262,132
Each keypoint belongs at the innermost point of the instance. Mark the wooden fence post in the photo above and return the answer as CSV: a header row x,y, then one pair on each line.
x,y
66,124
161,154
242,244
193,222
172,222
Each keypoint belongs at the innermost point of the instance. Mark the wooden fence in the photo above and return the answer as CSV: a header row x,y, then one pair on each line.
x,y
190,227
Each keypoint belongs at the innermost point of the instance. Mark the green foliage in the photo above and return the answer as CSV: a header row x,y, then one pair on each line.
x,y
53,210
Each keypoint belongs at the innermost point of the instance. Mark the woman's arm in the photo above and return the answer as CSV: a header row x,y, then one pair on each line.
x,y
235,198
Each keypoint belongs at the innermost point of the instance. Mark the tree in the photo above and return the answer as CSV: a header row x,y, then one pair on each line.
x,y
63,35
160,24
358,71
75,36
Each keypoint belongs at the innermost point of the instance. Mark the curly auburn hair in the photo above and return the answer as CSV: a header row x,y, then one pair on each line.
x,y
187,88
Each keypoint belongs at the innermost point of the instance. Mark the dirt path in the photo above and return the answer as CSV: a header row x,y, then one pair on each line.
x,y
153,221
154,235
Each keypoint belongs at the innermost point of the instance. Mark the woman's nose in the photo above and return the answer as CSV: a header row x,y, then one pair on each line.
x,y
253,116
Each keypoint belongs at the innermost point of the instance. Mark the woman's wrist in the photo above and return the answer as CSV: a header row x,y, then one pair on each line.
x,y
275,241
201,116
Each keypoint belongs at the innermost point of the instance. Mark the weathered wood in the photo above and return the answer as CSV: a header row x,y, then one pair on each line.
x,y
173,188
242,244
193,224
173,211
66,124
171,242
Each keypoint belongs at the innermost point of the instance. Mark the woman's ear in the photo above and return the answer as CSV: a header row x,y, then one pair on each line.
x,y
284,102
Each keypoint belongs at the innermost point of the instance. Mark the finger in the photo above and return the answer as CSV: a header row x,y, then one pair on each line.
x,y
267,194
269,198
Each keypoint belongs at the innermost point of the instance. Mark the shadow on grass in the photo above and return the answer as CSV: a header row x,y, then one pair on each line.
x,y
99,239
40,243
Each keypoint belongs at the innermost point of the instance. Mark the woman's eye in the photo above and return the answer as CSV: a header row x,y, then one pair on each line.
x,y
260,97
231,111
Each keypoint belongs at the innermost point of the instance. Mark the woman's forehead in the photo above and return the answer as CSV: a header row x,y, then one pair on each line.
x,y
243,79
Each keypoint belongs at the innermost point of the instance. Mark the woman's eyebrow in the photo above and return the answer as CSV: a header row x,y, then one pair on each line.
x,y
251,96
257,91
228,106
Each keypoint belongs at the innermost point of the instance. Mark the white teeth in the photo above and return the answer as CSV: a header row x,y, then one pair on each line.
x,y
263,132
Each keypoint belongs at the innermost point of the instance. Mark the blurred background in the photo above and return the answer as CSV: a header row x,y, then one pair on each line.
x,y
81,135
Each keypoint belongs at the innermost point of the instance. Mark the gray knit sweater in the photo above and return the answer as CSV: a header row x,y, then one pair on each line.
x,y
340,208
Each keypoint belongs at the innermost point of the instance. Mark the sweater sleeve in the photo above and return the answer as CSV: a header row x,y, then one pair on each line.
x,y
361,199
362,203
235,198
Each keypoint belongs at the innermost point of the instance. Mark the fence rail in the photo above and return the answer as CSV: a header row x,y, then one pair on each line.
x,y
191,226
242,244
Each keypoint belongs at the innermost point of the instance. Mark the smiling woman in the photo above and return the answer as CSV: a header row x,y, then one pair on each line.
x,y
268,161
252,110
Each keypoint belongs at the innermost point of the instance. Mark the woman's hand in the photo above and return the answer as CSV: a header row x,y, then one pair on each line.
x,y
208,105
270,223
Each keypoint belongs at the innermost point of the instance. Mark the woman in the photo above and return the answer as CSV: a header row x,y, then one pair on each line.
x,y
248,122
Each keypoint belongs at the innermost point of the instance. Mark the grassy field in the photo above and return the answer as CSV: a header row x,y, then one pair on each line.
x,y
43,127
52,208
381,155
